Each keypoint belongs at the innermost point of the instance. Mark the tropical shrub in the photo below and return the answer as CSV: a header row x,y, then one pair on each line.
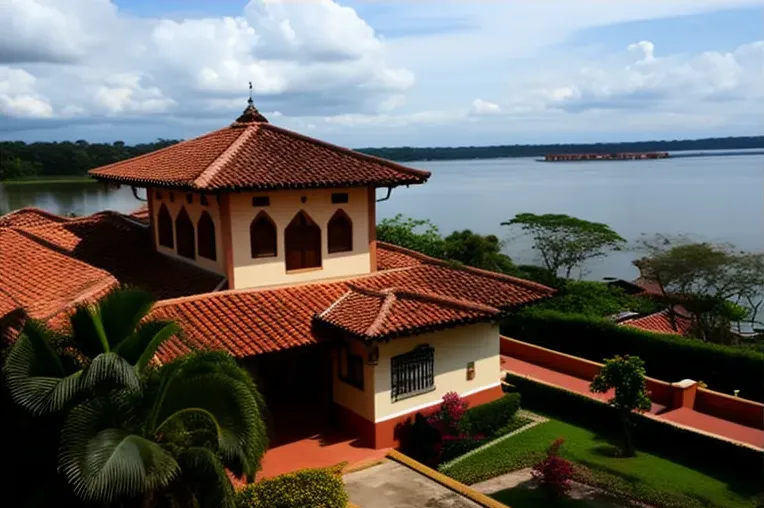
x,y
488,419
450,412
667,357
308,487
554,473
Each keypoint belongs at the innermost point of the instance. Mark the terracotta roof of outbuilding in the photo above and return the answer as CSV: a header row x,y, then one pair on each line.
x,y
257,155
26,217
256,321
660,322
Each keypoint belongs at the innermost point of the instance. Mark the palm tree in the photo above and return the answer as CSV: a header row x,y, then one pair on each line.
x,y
107,345
135,432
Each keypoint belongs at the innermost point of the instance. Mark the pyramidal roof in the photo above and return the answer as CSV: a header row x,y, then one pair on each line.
x,y
252,153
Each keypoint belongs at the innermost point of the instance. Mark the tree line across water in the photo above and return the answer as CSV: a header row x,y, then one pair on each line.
x,y
56,159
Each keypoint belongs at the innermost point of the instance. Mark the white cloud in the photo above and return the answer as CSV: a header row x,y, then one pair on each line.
x,y
17,96
485,108
645,49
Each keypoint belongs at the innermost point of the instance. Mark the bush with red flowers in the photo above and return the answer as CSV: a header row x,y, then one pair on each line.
x,y
554,473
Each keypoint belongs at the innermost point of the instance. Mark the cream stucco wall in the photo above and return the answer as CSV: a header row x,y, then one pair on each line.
x,y
284,205
194,210
453,349
359,401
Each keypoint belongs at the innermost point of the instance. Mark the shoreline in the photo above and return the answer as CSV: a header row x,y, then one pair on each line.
x,y
49,179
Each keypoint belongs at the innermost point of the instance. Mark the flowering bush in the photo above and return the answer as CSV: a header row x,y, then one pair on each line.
x,y
446,419
554,473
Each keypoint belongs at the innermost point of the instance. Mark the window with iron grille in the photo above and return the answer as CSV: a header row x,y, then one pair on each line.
x,y
413,373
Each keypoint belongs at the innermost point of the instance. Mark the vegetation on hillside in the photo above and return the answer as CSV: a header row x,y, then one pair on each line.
x,y
44,159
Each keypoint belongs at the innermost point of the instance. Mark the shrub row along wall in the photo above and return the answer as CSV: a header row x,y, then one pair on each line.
x,y
667,357
697,450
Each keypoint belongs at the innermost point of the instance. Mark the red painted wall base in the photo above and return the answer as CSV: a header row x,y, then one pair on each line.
x,y
386,434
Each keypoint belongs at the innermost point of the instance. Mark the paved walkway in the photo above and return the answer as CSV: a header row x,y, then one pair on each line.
x,y
392,484
682,416
594,497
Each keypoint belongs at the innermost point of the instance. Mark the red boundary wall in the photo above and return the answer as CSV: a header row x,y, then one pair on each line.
x,y
733,409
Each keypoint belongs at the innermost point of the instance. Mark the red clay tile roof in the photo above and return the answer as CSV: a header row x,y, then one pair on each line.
x,y
30,216
256,321
382,314
141,214
660,322
257,155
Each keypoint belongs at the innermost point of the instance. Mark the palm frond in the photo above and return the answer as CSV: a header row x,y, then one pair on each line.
x,y
139,348
88,334
106,464
203,472
37,379
111,367
120,312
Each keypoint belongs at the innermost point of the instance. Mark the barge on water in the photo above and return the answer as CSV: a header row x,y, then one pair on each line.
x,y
621,156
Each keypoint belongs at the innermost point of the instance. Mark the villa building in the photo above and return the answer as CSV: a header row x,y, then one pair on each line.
x,y
261,241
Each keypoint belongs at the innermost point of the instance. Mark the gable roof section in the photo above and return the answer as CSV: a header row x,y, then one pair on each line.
x,y
660,322
257,156
28,217
257,321
383,314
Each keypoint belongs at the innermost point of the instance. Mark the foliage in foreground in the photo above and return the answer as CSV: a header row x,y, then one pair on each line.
x,y
667,357
307,487
131,432
554,473
648,478
596,299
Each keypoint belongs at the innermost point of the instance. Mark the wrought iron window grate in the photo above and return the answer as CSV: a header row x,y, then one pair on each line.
x,y
413,373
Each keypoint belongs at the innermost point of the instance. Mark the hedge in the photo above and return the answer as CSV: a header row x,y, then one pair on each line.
x,y
487,419
667,357
308,487
661,438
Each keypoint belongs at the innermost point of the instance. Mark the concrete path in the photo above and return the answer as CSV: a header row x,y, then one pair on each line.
x,y
391,484
596,498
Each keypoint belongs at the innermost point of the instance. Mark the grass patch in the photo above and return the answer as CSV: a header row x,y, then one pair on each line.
x,y
521,497
49,179
646,477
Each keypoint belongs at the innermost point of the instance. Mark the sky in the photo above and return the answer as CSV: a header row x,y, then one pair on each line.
x,y
365,73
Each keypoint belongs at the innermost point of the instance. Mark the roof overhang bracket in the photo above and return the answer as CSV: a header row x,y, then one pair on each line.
x,y
389,191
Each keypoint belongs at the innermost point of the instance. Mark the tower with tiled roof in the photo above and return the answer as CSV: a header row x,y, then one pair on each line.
x,y
263,205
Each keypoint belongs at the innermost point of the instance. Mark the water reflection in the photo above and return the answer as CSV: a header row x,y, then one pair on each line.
x,y
79,198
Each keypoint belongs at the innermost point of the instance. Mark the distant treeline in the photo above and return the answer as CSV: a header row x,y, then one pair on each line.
x,y
51,159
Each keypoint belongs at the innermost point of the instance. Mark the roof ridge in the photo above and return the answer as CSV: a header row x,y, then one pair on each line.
x,y
479,271
384,311
95,171
59,218
359,155
215,166
450,301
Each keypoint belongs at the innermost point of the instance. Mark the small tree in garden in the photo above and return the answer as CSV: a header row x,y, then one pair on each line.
x,y
554,473
627,375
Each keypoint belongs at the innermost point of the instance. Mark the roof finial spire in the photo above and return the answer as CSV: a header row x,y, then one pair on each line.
x,y
250,114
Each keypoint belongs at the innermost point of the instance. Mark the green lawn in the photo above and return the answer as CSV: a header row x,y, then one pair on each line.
x,y
48,179
646,477
520,497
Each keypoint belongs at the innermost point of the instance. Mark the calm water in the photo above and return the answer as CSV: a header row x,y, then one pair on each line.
x,y
719,199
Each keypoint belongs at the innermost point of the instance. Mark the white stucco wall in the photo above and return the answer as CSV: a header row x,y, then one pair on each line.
x,y
284,205
194,210
453,349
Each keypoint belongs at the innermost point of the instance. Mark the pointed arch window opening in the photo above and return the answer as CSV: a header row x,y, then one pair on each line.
x,y
262,236
340,233
185,235
206,245
302,243
164,228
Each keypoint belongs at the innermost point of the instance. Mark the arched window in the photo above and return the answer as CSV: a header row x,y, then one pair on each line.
x,y
340,232
262,236
302,239
206,240
184,229
164,227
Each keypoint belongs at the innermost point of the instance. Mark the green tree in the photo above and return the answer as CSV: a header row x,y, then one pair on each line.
x,y
626,374
596,299
565,242
420,235
132,432
710,280
478,251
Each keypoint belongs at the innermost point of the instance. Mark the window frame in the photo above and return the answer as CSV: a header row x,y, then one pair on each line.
x,y
162,229
185,242
340,198
350,367
263,216
418,365
261,201
331,233
205,245
308,234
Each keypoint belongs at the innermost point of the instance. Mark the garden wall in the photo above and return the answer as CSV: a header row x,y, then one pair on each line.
x,y
734,409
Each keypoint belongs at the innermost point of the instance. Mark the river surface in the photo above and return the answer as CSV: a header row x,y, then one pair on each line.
x,y
718,199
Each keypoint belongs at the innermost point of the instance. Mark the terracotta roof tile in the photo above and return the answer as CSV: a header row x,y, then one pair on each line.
x,y
141,214
391,256
256,321
660,322
30,216
394,312
257,155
